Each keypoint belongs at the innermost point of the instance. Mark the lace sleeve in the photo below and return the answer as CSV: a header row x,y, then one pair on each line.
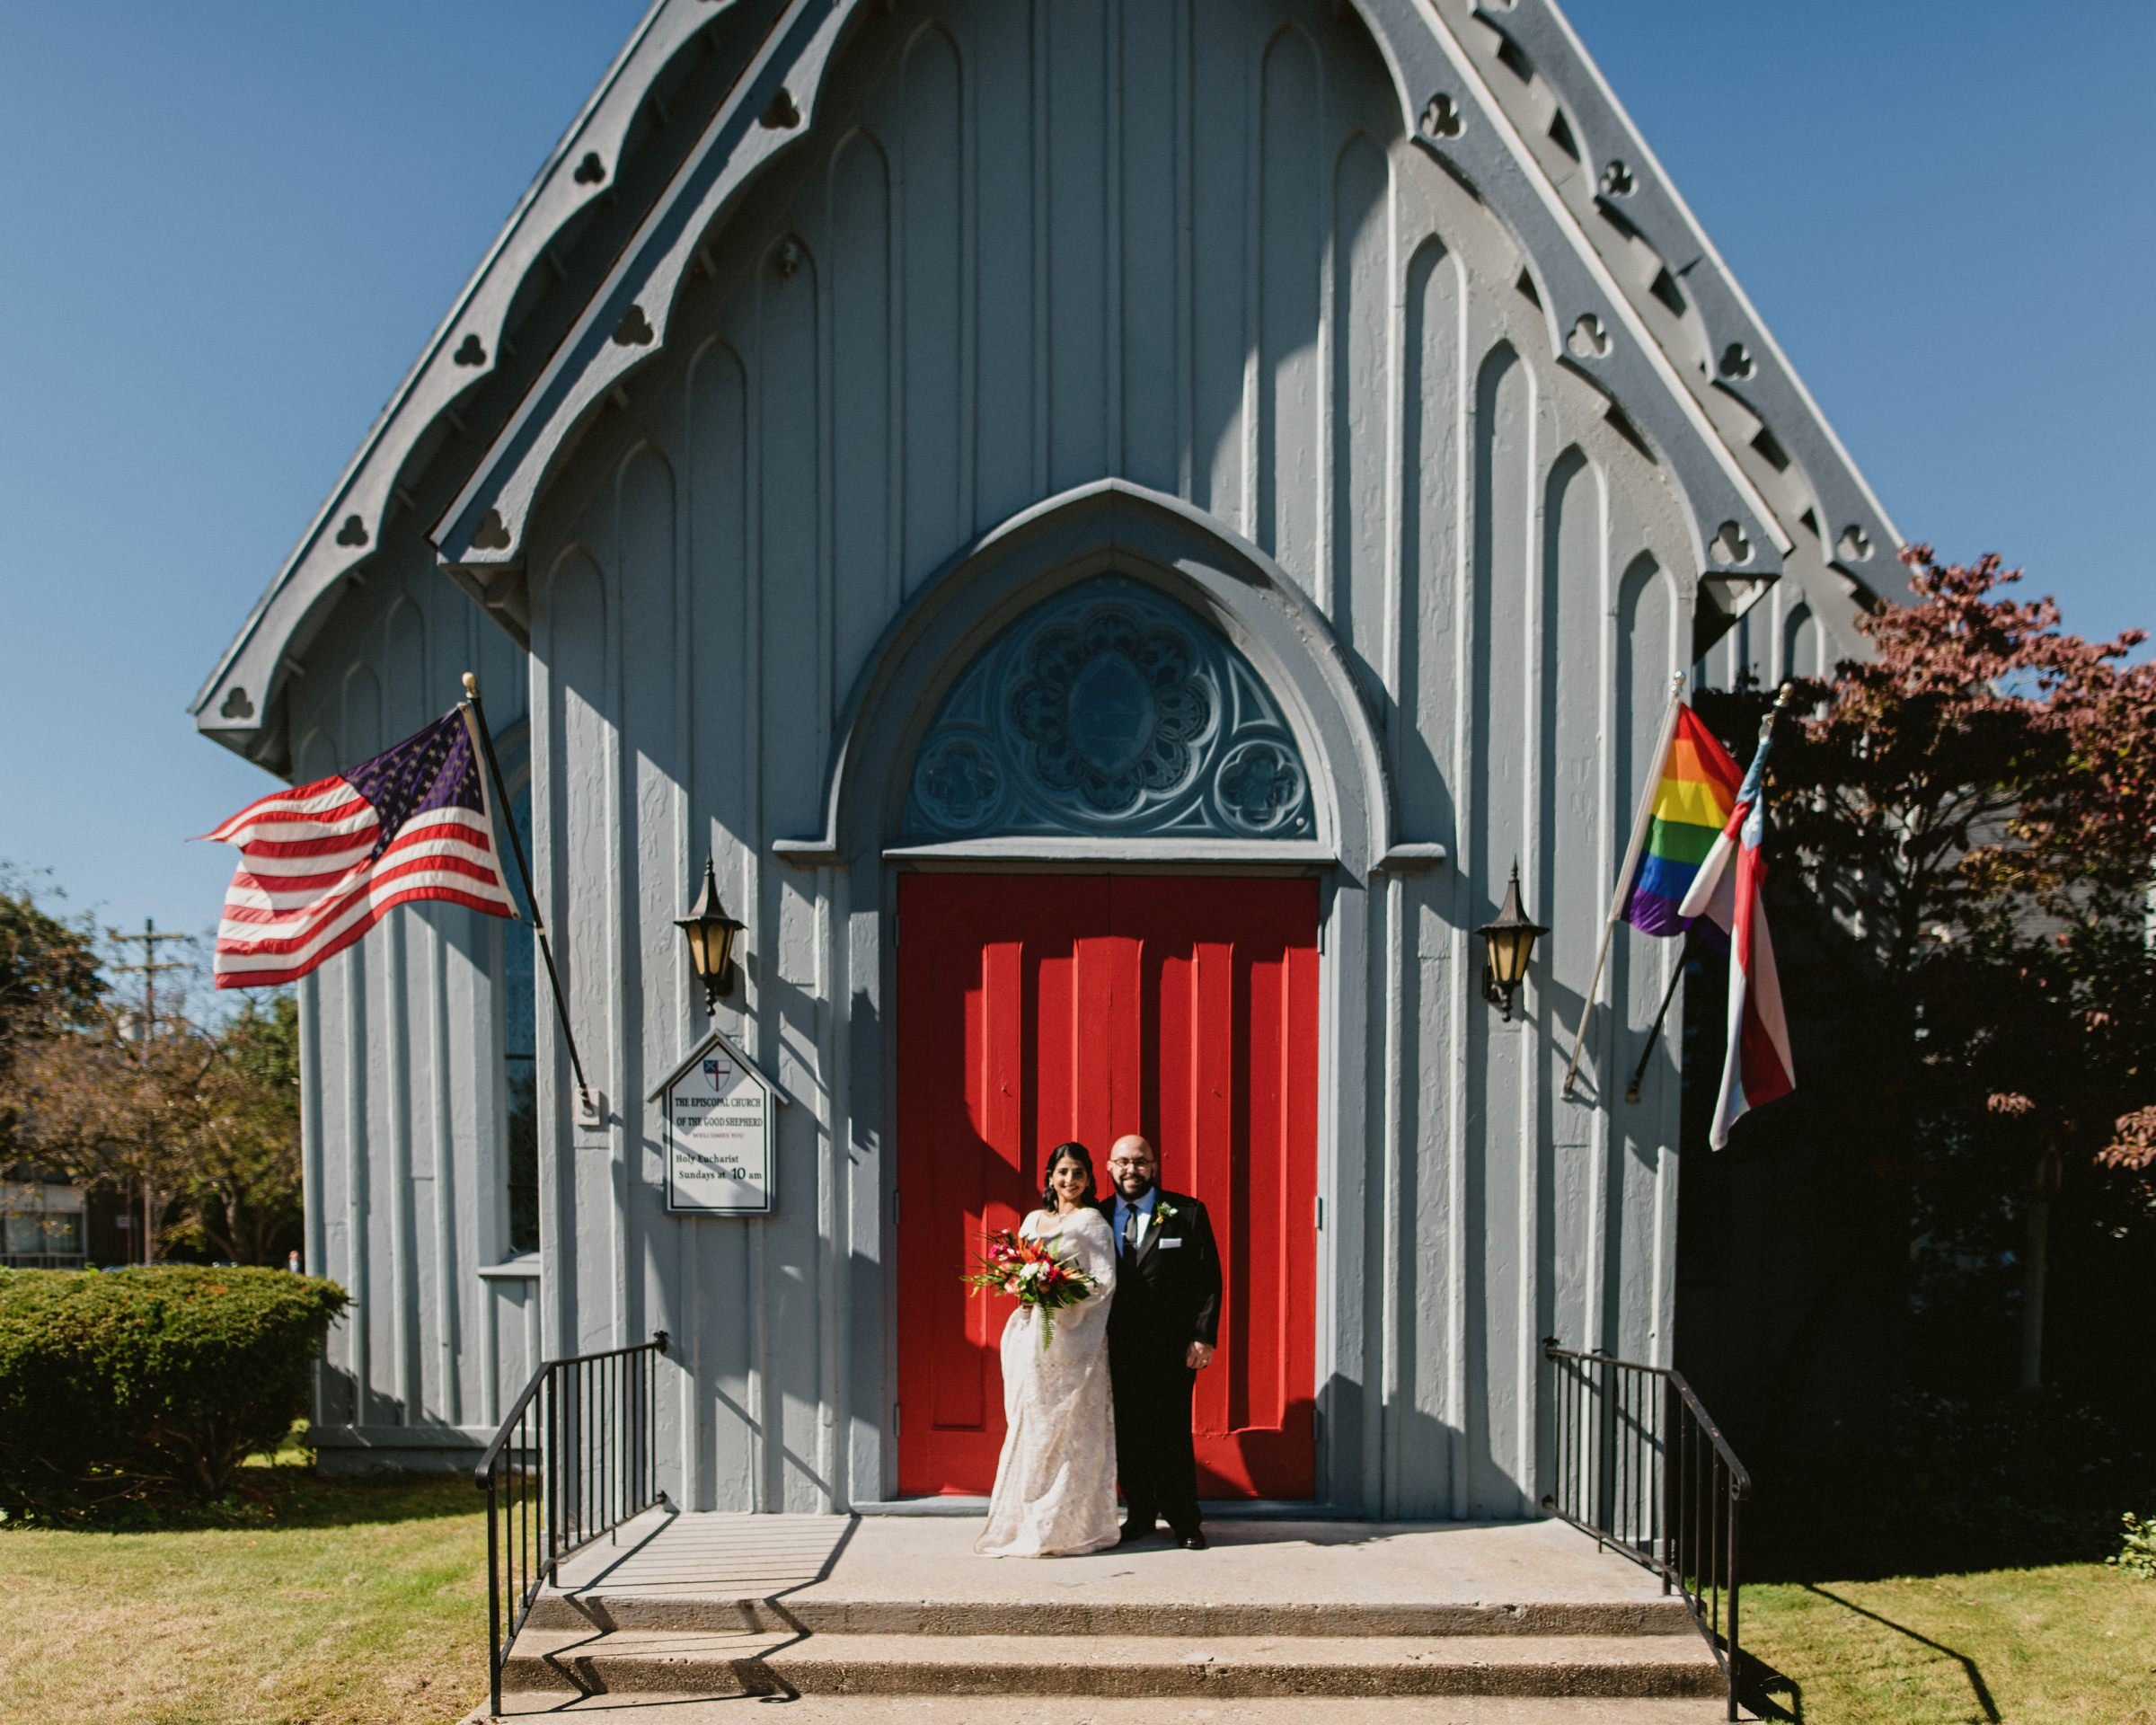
x,y
1096,1247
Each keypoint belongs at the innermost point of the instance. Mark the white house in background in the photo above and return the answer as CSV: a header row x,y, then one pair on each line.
x,y
1163,504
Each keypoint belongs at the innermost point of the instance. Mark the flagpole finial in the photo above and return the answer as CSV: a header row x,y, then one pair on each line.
x,y
1783,695
471,686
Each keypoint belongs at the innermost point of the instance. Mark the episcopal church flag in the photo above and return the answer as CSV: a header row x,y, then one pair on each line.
x,y
320,863
1757,1067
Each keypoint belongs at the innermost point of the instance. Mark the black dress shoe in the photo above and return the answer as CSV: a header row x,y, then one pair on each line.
x,y
1132,1534
1192,1542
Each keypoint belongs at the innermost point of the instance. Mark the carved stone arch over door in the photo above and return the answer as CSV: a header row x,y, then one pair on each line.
x,y
1174,687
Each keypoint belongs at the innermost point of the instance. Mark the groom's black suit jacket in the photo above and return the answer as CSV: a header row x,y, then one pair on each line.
x,y
1169,1291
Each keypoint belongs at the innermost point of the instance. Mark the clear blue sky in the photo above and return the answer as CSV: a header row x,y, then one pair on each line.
x,y
226,227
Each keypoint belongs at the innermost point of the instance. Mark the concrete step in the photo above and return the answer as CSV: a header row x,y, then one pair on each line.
x,y
644,1708
831,1612
708,1662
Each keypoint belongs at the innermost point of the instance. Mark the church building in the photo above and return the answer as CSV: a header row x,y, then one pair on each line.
x,y
1114,527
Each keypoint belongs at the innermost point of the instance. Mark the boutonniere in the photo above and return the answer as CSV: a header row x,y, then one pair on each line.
x,y
1165,1211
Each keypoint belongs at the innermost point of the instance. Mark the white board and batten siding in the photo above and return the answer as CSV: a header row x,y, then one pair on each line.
x,y
403,1101
1026,247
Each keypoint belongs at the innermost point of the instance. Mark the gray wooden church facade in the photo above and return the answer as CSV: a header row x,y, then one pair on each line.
x,y
835,342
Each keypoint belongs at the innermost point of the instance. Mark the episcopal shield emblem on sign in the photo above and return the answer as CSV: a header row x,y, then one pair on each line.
x,y
717,1109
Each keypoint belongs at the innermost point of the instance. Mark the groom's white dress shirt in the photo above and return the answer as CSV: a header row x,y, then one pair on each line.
x,y
1145,1209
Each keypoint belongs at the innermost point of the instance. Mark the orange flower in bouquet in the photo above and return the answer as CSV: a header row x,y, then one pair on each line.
x,y
1032,1273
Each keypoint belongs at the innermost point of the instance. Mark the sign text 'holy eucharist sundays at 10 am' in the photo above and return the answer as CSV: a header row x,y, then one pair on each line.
x,y
719,1112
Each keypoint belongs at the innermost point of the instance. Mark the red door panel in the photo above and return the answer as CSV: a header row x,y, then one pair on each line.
x,y
1004,1046
1035,1008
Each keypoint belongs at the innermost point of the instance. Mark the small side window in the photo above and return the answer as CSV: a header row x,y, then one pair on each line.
x,y
520,1049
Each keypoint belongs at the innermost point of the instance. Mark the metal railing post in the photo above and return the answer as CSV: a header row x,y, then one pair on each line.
x,y
1736,1655
1639,1475
493,1601
604,1405
1669,1475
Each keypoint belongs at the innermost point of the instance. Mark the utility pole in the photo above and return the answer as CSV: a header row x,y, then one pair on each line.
x,y
149,969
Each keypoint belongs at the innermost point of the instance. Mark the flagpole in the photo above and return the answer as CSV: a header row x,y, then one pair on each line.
x,y
501,796
1653,1033
1624,872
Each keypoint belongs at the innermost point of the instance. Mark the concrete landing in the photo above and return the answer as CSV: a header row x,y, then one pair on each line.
x,y
908,1575
897,1611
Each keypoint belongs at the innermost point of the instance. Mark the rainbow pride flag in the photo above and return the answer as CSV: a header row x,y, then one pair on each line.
x,y
1690,805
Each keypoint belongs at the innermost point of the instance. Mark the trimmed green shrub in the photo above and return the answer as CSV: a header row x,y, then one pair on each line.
x,y
140,1384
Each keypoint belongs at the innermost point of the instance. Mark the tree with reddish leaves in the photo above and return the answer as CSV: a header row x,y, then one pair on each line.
x,y
1964,827
1975,808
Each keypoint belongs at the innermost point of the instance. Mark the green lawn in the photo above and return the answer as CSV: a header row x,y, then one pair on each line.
x,y
364,1603
2074,1642
334,1603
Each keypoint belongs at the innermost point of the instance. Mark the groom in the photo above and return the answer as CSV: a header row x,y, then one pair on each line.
x,y
1161,1333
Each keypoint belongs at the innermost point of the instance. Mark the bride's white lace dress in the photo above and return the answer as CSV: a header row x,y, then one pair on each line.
x,y
1055,1481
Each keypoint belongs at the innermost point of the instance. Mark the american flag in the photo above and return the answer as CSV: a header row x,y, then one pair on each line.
x,y
320,863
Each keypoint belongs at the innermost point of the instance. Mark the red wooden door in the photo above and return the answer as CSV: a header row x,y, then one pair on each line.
x,y
1035,1008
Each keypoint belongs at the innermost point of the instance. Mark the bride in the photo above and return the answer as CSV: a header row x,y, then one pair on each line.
x,y
1055,1481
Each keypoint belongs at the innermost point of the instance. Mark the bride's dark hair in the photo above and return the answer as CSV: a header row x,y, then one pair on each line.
x,y
1078,1154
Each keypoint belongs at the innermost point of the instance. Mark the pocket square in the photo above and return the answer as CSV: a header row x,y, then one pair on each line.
x,y
1170,1245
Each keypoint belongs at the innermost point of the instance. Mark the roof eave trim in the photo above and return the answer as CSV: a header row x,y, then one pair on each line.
x,y
626,323
463,350
1858,534
1591,325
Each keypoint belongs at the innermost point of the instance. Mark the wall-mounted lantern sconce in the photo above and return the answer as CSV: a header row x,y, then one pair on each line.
x,y
1509,945
710,935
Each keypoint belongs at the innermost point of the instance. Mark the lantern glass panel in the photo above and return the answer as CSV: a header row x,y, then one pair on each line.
x,y
718,944
1509,950
707,946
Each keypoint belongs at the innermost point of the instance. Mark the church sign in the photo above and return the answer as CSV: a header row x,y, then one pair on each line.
x,y
718,1114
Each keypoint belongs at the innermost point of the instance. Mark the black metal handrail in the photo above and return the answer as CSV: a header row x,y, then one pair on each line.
x,y
1642,1466
574,1459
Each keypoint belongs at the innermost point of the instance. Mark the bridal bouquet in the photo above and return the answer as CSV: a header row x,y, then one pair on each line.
x,y
1030,1271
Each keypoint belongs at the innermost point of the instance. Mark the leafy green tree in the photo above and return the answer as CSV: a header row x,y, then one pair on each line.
x,y
48,976
241,1181
197,1124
